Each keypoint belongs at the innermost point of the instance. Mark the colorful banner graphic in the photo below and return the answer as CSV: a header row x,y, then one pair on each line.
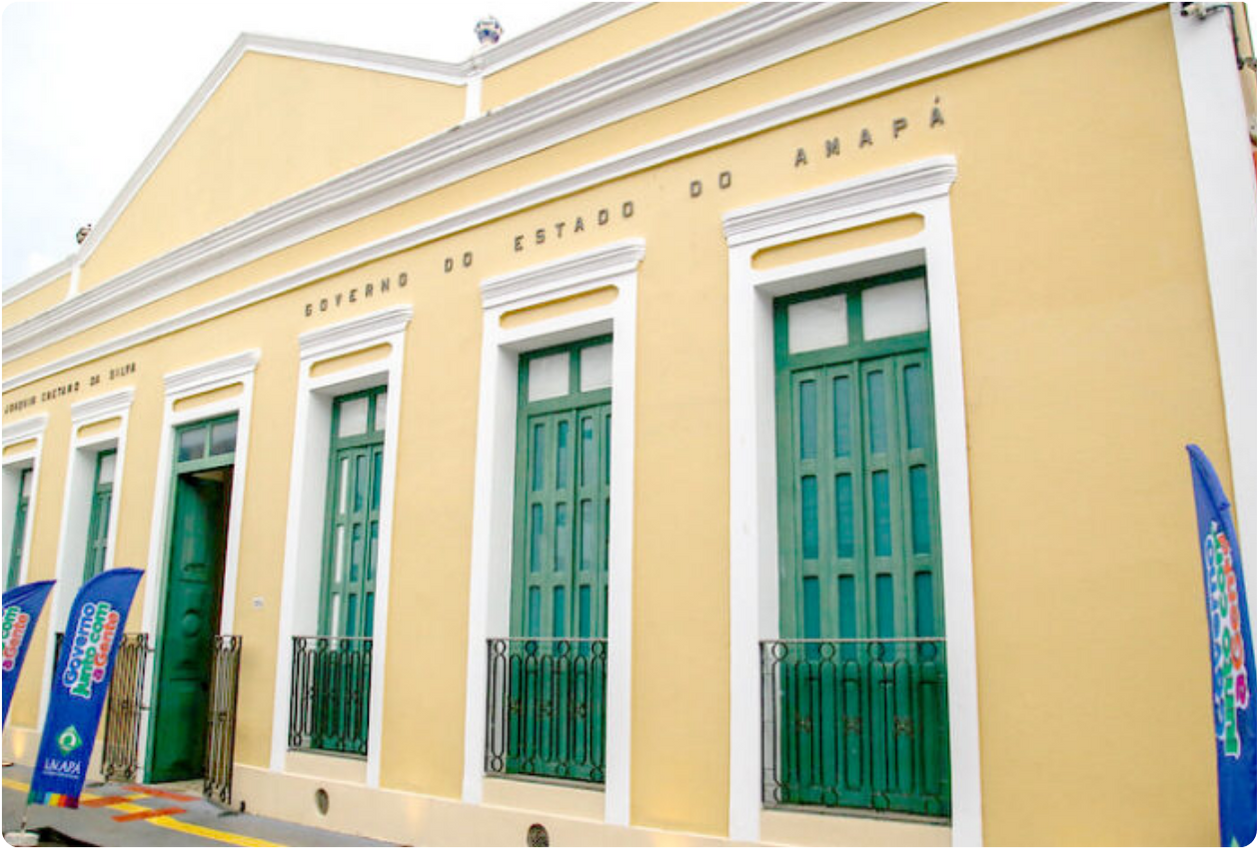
x,y
80,686
1232,654
22,606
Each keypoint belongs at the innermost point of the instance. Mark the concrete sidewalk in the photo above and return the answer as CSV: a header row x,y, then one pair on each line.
x,y
136,815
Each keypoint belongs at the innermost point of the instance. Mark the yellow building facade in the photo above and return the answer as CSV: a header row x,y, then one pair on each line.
x,y
679,424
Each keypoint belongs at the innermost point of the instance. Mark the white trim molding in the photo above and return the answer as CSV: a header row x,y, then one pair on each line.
x,y
1223,168
777,221
101,408
441,160
24,429
210,376
490,581
919,188
543,37
303,534
21,431
37,280
562,278
76,505
179,385
375,328
449,73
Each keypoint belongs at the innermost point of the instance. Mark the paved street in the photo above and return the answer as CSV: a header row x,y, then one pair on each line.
x,y
169,815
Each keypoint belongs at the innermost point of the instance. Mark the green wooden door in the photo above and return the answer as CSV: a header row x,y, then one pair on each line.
x,y
190,623
859,551
560,565
98,523
21,508
193,598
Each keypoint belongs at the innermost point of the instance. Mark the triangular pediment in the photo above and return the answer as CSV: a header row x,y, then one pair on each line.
x,y
274,118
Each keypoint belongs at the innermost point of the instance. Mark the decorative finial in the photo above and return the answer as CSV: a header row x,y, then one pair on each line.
x,y
488,30
83,233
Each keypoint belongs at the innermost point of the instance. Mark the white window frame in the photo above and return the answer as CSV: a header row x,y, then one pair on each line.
x,y
76,505
918,188
15,434
180,385
490,594
304,530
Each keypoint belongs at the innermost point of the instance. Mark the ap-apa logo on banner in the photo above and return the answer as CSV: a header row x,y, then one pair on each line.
x,y
22,606
80,686
1232,654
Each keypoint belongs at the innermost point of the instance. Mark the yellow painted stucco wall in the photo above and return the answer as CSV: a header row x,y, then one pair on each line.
x,y
276,125
617,38
32,303
1089,361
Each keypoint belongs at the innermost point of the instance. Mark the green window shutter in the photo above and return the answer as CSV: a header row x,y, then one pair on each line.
x,y
560,564
98,523
859,553
21,508
352,515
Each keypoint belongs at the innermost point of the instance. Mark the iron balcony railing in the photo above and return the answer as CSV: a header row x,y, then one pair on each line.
x,y
330,699
856,723
546,709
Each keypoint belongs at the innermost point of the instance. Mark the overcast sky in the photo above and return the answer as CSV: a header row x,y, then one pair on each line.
x,y
87,88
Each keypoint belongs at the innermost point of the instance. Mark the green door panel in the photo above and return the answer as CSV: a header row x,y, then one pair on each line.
x,y
189,624
859,561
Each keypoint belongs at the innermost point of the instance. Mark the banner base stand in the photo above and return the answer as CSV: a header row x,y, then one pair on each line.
x,y
22,838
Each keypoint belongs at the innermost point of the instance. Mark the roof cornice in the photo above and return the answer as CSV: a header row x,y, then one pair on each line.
x,y
543,37
421,167
722,49
451,73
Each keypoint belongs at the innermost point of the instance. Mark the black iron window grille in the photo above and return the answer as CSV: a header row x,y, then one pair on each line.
x,y
330,696
546,712
856,723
